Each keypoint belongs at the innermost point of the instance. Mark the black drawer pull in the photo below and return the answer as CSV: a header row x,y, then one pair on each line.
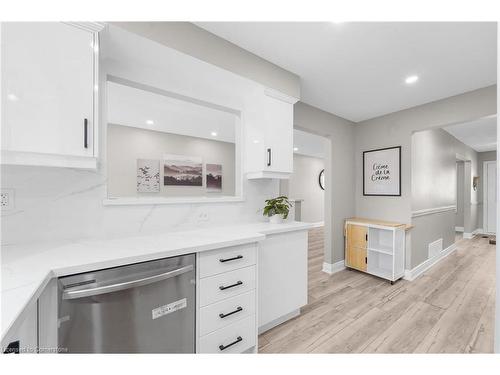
x,y
269,157
230,259
85,133
222,287
238,339
238,309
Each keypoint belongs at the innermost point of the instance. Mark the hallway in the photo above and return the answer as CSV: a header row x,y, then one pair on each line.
x,y
449,309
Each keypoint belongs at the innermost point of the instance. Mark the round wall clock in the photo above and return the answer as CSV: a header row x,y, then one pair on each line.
x,y
322,179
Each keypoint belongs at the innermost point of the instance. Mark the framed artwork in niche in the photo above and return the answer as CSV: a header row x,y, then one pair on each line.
x,y
214,177
382,172
180,170
148,176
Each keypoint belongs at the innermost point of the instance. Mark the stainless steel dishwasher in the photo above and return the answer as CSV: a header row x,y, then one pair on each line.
x,y
139,308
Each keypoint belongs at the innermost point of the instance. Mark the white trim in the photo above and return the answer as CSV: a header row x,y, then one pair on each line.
x,y
459,229
412,274
280,96
435,210
93,27
133,201
318,224
267,174
469,235
485,192
331,268
47,160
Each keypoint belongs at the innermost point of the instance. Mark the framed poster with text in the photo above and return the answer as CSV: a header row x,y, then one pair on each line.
x,y
382,172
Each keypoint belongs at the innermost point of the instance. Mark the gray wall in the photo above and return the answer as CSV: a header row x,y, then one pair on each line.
x,y
482,157
396,129
197,42
303,184
339,172
434,178
126,144
459,215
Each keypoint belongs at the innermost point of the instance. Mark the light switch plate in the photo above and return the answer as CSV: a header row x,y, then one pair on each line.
x,y
7,199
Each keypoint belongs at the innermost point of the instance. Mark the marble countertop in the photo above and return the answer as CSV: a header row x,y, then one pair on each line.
x,y
26,269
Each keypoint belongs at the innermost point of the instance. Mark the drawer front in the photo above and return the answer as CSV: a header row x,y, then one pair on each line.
x,y
225,260
216,288
228,311
240,334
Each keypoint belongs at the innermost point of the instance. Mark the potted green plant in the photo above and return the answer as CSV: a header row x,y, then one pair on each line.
x,y
277,209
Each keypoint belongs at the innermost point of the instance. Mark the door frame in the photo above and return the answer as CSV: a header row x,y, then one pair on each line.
x,y
485,195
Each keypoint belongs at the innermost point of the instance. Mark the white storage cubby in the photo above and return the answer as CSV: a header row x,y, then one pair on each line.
x,y
385,248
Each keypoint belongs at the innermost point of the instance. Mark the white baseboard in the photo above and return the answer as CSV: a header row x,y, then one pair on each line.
x,y
318,224
468,235
331,268
459,229
412,274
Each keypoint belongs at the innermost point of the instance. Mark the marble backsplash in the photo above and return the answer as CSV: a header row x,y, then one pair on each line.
x,y
58,204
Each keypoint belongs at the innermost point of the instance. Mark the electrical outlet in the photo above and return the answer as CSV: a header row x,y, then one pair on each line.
x,y
7,199
203,217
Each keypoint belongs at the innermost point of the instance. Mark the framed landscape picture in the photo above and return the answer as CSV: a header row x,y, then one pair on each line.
x,y
214,177
180,170
382,172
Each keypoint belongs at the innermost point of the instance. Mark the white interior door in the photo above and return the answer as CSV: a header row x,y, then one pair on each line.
x,y
490,199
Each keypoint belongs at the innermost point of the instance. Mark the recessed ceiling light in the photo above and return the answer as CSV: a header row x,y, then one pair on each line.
x,y
411,79
213,134
255,141
12,97
150,122
295,149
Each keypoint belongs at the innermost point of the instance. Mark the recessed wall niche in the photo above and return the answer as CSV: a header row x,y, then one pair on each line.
x,y
184,137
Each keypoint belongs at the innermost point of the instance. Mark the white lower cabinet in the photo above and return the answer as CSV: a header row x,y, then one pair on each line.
x,y
282,277
234,338
23,338
225,312
227,300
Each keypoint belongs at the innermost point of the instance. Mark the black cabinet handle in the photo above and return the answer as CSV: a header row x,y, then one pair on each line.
x,y
238,339
230,259
85,133
269,160
238,309
222,287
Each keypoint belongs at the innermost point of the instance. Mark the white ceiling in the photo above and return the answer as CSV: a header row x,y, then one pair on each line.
x,y
357,70
481,135
309,144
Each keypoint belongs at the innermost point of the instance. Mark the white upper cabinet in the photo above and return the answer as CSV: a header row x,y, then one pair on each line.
x,y
269,135
49,94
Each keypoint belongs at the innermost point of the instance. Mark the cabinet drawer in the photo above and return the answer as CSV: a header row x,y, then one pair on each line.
x,y
232,258
216,288
231,309
240,334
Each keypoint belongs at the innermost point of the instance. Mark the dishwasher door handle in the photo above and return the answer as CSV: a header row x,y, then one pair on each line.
x,y
80,293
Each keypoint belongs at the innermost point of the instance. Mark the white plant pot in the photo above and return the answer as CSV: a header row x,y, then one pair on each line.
x,y
276,219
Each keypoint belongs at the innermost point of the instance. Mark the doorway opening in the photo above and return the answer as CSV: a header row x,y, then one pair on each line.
x,y
307,189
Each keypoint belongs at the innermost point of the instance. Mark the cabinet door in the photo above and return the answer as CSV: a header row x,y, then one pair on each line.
x,y
356,242
47,88
23,338
279,135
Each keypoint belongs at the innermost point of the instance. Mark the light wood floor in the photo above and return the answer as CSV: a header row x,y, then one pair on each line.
x,y
448,309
